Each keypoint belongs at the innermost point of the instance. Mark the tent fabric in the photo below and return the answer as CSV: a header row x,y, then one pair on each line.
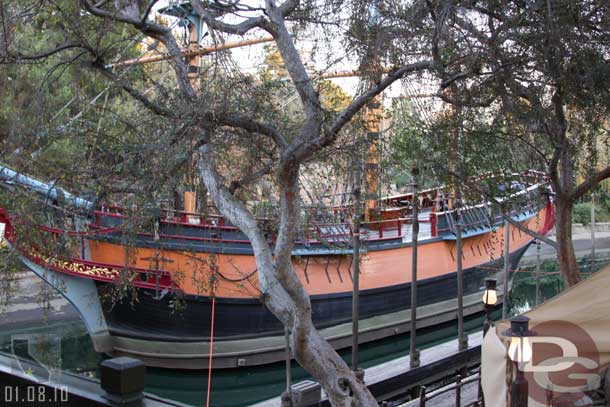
x,y
584,309
493,369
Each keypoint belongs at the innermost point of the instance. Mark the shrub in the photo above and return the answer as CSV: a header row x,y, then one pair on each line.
x,y
582,213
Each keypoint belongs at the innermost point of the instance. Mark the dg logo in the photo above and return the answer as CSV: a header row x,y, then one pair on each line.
x,y
565,359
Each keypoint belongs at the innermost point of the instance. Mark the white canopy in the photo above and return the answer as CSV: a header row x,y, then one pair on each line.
x,y
571,346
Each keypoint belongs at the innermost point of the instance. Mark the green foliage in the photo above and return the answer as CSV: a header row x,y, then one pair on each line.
x,y
483,146
582,213
9,267
551,282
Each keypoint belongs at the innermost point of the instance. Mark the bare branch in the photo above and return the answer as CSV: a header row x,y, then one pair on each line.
x,y
237,29
43,54
448,82
590,182
250,178
97,10
149,8
250,125
152,106
479,103
294,65
288,7
530,232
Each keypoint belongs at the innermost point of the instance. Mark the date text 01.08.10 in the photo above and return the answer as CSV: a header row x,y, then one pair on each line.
x,y
35,395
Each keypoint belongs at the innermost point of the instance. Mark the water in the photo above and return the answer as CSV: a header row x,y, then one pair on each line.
x,y
232,387
67,346
523,294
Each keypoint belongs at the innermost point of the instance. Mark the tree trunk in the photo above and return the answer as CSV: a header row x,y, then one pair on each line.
x,y
311,350
282,290
565,246
563,216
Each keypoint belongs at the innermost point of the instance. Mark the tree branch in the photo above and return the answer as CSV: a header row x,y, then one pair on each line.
x,y
97,10
590,183
156,31
43,54
147,11
530,232
448,82
288,7
136,94
237,29
294,65
237,184
250,125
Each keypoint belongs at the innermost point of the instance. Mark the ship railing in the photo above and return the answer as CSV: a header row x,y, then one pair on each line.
x,y
170,215
458,387
332,230
487,214
330,225
396,228
403,199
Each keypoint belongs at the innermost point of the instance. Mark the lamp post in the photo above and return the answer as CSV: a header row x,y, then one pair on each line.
x,y
519,351
490,298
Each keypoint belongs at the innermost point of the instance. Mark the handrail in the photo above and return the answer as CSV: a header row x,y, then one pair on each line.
x,y
457,387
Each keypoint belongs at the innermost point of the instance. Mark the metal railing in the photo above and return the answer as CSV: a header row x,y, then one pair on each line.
x,y
457,387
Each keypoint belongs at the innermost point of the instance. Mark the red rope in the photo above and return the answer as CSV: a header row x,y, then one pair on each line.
x,y
211,352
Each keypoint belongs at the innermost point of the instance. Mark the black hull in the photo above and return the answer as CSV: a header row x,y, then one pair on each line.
x,y
150,319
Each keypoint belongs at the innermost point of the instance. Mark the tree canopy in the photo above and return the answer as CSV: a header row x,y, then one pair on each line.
x,y
525,83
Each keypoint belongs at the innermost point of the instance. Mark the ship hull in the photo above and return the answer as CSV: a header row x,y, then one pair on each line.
x,y
167,287
247,334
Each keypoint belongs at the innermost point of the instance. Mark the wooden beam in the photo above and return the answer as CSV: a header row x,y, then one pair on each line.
x,y
197,50
191,52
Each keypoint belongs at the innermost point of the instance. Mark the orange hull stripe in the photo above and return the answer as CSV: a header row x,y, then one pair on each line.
x,y
320,274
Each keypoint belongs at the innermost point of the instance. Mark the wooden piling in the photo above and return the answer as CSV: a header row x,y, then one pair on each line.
x,y
356,192
413,352
538,293
506,269
462,338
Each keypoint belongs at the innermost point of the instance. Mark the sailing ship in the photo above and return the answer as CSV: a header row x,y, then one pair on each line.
x,y
196,276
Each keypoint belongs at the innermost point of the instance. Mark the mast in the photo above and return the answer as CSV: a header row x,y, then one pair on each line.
x,y
371,177
194,63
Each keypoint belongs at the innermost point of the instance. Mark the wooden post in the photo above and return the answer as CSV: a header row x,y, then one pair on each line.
x,y
538,293
458,391
592,227
433,230
462,338
413,352
422,396
506,269
357,192
123,380
287,396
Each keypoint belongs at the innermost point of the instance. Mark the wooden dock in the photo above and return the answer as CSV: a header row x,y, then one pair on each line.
x,y
394,378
